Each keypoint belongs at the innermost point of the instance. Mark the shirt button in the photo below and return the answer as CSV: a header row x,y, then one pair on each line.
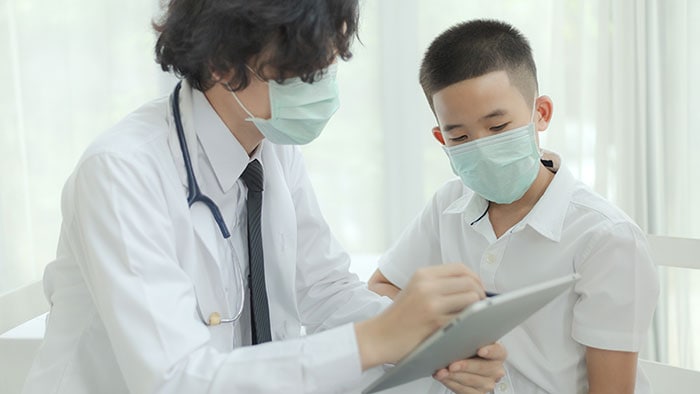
x,y
490,258
502,387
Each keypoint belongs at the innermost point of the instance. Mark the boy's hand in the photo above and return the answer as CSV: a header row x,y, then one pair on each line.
x,y
475,375
432,298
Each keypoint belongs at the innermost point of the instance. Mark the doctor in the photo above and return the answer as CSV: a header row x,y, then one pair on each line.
x,y
166,272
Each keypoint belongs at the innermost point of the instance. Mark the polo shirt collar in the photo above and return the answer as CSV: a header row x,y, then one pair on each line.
x,y
224,153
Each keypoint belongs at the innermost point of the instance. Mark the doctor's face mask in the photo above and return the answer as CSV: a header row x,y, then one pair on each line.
x,y
501,167
299,110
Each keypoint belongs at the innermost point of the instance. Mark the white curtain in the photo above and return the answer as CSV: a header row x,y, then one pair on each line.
x,y
69,69
678,154
622,74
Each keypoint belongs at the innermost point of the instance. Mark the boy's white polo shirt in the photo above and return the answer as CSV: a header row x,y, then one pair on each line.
x,y
570,229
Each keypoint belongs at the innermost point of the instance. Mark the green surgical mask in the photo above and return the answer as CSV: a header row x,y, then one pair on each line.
x,y
299,110
501,167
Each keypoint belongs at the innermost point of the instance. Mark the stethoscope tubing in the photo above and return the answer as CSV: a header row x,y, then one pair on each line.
x,y
194,195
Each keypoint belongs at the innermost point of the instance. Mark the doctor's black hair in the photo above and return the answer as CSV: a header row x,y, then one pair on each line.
x,y
197,38
474,48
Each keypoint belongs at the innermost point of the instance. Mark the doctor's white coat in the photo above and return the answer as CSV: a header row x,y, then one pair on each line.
x,y
134,262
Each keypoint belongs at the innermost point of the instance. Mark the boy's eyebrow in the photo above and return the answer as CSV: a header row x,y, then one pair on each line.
x,y
449,127
494,114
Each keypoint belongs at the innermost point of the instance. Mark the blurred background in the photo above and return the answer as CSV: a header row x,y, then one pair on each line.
x,y
622,75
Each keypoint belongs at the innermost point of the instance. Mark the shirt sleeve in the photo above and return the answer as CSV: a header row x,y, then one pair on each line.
x,y
418,246
618,290
122,235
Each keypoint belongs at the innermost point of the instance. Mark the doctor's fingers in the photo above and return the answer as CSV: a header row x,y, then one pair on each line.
x,y
447,269
450,305
460,269
440,310
427,284
462,284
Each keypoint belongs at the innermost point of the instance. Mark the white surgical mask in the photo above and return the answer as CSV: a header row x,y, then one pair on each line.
x,y
501,167
299,110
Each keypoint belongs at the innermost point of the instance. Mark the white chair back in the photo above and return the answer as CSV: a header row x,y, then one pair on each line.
x,y
679,253
21,305
21,332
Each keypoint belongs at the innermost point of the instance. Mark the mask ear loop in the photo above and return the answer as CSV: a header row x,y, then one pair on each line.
x,y
235,96
238,100
255,73
534,109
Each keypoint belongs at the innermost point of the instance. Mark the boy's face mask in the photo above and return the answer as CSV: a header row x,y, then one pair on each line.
x,y
501,167
299,110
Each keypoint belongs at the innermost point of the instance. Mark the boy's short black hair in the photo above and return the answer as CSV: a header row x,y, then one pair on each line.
x,y
295,38
472,49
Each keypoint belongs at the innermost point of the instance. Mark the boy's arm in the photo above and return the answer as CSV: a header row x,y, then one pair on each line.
x,y
610,371
618,292
379,284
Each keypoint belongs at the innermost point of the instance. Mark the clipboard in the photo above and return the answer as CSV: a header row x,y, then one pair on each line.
x,y
478,325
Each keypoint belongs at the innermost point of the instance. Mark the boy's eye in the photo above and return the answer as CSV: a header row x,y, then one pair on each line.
x,y
459,139
499,127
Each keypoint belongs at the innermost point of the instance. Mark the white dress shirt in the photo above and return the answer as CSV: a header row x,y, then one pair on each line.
x,y
570,229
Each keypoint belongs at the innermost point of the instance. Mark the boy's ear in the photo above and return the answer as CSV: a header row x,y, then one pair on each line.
x,y
438,135
545,108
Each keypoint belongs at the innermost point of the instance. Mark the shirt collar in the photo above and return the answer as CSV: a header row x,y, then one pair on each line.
x,y
548,214
470,204
224,153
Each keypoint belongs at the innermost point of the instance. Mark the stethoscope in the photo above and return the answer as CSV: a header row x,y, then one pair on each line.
x,y
194,194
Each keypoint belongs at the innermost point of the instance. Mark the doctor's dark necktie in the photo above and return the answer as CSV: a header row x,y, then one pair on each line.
x,y
259,310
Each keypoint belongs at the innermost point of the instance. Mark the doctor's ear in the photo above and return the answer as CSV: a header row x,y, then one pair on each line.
x,y
218,79
438,135
221,77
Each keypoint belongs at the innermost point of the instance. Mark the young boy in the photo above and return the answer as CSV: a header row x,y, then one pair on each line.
x,y
523,218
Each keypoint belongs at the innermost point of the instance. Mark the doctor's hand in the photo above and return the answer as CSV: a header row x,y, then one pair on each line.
x,y
475,375
433,297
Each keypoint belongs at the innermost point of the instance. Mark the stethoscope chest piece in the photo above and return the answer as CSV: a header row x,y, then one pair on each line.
x,y
214,319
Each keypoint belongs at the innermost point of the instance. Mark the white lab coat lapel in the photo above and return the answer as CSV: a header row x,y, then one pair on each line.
x,y
202,220
201,262
280,247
